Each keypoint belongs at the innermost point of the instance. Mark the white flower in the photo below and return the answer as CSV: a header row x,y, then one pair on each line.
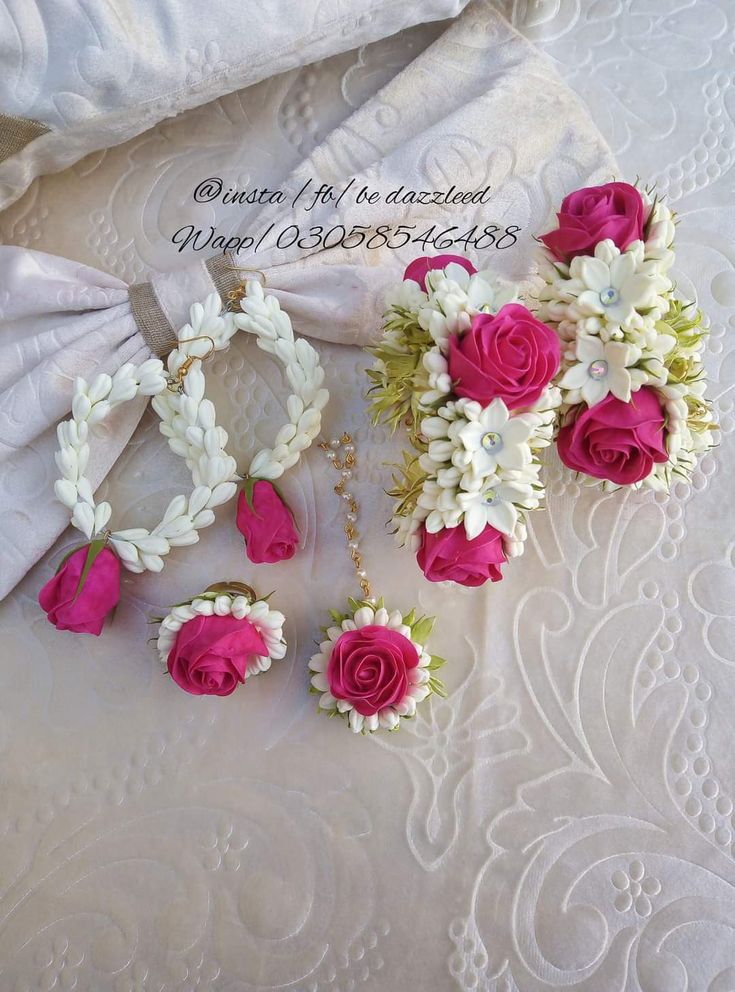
x,y
617,286
601,368
406,295
495,504
455,296
495,439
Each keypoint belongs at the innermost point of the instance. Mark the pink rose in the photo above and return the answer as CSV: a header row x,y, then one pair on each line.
x,y
450,555
369,668
510,355
82,610
267,525
420,267
587,216
615,440
211,653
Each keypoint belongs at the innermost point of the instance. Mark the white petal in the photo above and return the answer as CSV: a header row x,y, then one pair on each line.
x,y
364,617
318,663
588,348
475,520
595,390
575,376
356,721
502,516
593,272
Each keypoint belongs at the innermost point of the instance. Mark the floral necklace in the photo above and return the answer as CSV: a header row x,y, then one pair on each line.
x,y
372,667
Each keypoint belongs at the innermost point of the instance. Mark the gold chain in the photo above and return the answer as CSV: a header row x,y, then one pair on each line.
x,y
344,464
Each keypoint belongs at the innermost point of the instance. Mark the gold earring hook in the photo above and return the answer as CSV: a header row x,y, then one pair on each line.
x,y
242,268
176,382
235,295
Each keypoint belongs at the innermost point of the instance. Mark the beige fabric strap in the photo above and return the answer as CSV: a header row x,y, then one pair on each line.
x,y
161,306
225,274
151,321
16,133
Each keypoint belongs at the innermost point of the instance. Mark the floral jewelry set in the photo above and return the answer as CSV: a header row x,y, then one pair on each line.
x,y
604,361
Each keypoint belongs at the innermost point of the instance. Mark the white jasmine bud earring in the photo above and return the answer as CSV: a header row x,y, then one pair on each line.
x,y
188,419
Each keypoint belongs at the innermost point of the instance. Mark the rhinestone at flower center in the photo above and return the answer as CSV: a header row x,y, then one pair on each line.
x,y
598,369
609,296
491,440
490,497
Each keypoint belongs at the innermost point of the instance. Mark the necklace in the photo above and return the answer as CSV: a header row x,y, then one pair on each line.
x,y
372,667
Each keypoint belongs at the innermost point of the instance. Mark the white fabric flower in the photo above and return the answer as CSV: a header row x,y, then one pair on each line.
x,y
495,504
617,286
601,368
494,439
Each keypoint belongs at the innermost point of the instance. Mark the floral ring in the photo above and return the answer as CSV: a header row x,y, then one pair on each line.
x,y
212,643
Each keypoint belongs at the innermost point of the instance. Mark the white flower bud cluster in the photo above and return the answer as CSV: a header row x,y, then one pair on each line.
x,y
453,297
139,549
268,623
481,465
262,316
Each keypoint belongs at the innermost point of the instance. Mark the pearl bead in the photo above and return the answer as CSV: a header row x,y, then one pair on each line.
x,y
353,545
334,445
346,475
331,456
362,574
350,449
351,518
372,600
347,497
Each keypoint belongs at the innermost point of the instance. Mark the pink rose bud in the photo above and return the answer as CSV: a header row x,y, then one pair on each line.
x,y
510,355
450,556
369,668
82,610
615,440
588,216
420,267
211,653
267,525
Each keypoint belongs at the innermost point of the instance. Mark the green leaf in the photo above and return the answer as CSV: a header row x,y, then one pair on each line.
x,y
67,556
421,630
93,551
436,662
248,489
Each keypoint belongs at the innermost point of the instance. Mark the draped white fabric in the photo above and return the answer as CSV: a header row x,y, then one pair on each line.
x,y
134,63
